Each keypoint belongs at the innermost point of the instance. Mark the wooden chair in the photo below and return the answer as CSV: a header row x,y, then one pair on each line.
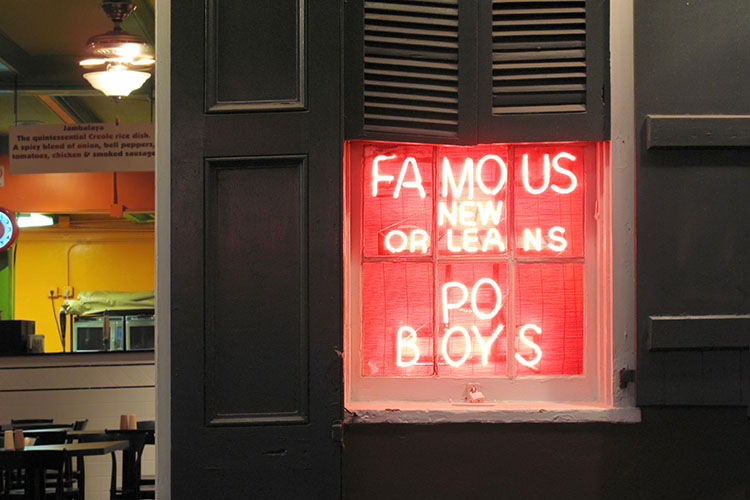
x,y
148,481
130,478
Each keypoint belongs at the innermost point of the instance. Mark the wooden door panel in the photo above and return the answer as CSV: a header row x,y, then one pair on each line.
x,y
256,249
255,56
256,300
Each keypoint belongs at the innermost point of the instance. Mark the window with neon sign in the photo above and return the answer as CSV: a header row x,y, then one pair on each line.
x,y
476,264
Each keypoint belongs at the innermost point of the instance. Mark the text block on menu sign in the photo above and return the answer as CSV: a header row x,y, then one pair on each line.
x,y
472,260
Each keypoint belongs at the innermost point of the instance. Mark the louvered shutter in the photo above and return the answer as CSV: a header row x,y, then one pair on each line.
x,y
538,56
411,67
476,71
542,70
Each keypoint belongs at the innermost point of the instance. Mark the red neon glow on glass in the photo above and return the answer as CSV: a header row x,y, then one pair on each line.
x,y
468,299
396,295
471,200
549,201
444,309
550,296
397,200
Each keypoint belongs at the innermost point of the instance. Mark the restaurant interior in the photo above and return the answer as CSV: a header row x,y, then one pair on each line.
x,y
77,362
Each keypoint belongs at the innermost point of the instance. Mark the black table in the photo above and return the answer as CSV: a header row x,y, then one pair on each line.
x,y
35,459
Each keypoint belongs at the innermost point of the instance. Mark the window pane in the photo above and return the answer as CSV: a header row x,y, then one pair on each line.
x,y
397,318
471,192
548,317
397,200
472,338
548,201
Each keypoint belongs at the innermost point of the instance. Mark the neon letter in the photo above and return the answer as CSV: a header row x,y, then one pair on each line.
x,y
410,342
416,183
530,239
465,214
404,241
560,242
471,240
451,246
565,171
498,299
486,346
525,171
486,211
467,352
446,305
503,174
467,176
493,238
530,363
376,177
422,241
444,214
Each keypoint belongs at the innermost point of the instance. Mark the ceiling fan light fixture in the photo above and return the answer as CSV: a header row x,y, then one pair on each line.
x,y
120,51
117,81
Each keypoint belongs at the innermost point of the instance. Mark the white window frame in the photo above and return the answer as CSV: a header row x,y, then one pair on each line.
x,y
412,400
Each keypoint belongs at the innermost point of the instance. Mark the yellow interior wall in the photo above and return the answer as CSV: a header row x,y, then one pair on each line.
x,y
85,260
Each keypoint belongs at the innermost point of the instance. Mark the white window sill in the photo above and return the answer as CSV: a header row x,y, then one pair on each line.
x,y
438,413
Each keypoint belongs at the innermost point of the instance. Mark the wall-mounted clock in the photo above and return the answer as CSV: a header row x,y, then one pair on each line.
x,y
8,229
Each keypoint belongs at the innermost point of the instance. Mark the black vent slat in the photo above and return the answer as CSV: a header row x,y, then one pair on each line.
x,y
555,108
539,56
497,3
374,17
417,31
539,65
411,107
538,22
411,63
413,119
410,97
541,76
414,86
411,67
541,12
541,33
409,74
524,89
548,98
373,127
538,45
406,52
410,7
430,44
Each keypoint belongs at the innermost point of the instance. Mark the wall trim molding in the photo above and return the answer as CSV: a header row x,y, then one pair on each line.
x,y
697,131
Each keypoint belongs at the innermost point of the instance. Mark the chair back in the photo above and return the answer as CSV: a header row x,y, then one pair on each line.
x,y
146,425
80,425
23,421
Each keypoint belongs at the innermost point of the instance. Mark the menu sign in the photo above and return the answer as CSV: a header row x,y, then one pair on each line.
x,y
81,147
472,260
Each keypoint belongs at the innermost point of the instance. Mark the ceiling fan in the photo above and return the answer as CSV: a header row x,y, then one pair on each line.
x,y
122,58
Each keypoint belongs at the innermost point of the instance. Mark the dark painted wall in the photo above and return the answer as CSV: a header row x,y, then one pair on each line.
x,y
691,57
673,454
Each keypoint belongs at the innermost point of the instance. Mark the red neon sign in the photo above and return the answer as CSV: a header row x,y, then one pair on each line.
x,y
472,260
